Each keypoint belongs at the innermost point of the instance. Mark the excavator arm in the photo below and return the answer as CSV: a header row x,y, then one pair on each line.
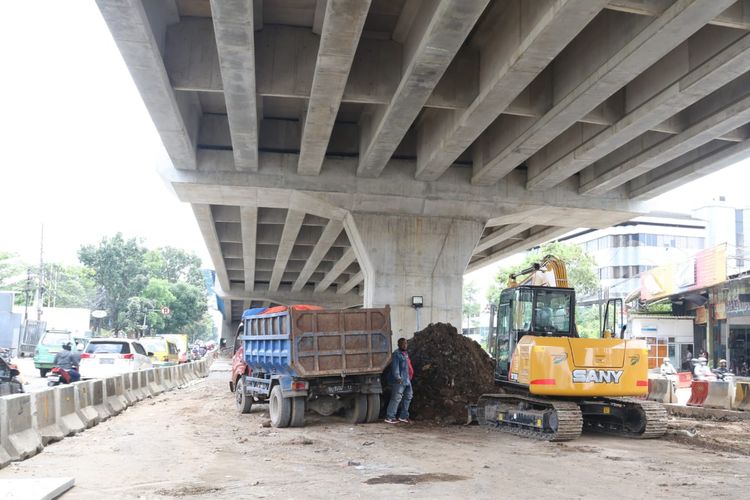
x,y
549,265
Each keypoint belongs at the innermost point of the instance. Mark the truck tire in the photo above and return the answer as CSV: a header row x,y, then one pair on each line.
x,y
43,372
357,413
298,412
244,402
373,408
280,408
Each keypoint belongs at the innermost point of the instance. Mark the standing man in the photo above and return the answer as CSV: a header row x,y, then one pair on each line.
x,y
400,379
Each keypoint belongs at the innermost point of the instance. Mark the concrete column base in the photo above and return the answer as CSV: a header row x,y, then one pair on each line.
x,y
403,256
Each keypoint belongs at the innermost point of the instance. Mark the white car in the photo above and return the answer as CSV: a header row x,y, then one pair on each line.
x,y
104,357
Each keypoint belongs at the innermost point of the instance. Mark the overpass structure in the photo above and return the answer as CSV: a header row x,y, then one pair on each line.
x,y
348,152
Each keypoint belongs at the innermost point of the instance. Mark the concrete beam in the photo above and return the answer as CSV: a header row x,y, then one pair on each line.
x,y
294,219
501,235
320,13
534,240
338,268
405,20
277,184
546,169
687,168
737,16
608,54
139,30
235,41
440,30
341,31
330,233
207,226
526,39
353,281
286,297
644,157
248,227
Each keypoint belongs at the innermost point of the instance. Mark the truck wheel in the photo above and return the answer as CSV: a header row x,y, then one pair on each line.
x,y
244,402
298,412
357,413
43,372
280,408
373,407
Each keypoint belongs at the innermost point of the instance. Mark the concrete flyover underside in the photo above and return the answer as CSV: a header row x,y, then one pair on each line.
x,y
360,152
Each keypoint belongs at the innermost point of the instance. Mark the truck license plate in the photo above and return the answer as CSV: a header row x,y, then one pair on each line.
x,y
335,389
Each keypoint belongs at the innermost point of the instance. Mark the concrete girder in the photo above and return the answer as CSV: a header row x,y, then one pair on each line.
x,y
434,39
328,298
353,281
324,244
292,226
338,191
248,227
207,227
586,74
405,20
648,154
346,260
235,41
737,16
501,235
551,26
139,29
546,168
341,31
533,240
702,161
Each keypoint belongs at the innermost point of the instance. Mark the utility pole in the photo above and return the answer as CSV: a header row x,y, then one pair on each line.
x,y
41,278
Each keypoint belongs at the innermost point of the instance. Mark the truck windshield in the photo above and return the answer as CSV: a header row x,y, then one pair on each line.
x,y
552,311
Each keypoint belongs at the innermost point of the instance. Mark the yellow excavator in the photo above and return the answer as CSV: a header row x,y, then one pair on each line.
x,y
553,383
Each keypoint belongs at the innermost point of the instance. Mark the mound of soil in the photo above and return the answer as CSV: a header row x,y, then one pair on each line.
x,y
451,371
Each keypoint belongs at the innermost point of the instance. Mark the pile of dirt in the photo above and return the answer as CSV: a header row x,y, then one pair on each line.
x,y
451,371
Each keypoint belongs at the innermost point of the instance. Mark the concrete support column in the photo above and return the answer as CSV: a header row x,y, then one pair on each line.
x,y
402,256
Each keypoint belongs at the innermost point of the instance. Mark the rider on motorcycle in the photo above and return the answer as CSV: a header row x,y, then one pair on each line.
x,y
68,361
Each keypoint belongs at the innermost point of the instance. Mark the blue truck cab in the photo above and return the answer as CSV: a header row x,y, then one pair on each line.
x,y
325,361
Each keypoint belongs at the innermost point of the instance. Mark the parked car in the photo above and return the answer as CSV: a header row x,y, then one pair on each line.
x,y
50,344
162,351
112,356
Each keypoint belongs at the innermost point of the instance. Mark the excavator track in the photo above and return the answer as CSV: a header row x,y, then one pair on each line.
x,y
638,418
528,416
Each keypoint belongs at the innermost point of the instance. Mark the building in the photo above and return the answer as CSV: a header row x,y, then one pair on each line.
x,y
624,251
727,224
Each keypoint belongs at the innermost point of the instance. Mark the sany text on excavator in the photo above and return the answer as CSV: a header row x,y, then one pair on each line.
x,y
553,383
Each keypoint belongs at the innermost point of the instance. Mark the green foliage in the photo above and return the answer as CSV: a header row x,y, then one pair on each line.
x,y
580,265
201,330
11,270
189,306
587,321
119,271
174,265
657,308
471,307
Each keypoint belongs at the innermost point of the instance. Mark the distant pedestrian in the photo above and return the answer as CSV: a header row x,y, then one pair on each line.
x,y
400,377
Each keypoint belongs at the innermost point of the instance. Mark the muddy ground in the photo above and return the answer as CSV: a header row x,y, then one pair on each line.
x,y
192,443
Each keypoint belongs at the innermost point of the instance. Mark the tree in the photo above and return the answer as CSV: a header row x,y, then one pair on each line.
x,y
173,265
11,270
471,307
119,271
189,306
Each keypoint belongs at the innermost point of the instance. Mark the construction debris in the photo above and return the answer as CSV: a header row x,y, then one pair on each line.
x,y
451,371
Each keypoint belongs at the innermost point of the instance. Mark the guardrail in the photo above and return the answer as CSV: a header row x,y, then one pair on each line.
x,y
28,422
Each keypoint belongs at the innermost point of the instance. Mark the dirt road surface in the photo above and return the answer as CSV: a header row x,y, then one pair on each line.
x,y
192,443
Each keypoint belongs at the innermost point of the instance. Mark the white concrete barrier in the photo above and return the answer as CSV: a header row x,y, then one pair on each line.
x,y
45,421
18,437
153,386
165,373
114,402
127,392
65,410
720,395
135,386
84,406
143,381
99,399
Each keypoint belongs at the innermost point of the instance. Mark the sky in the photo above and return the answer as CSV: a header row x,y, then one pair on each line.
x,y
80,153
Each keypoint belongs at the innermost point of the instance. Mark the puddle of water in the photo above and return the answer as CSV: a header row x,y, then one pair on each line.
x,y
415,478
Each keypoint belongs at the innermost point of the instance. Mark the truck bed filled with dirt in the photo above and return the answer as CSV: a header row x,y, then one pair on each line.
x,y
451,371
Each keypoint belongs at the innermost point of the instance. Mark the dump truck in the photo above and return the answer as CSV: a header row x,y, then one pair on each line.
x,y
323,360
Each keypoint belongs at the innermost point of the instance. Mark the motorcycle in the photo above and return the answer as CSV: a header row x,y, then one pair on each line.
x,y
58,376
9,372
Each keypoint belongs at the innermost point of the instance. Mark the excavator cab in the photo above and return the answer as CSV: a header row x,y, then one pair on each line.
x,y
531,310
